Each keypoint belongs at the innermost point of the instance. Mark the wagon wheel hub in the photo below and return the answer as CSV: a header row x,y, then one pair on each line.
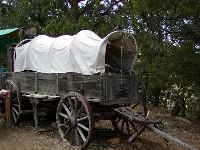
x,y
73,121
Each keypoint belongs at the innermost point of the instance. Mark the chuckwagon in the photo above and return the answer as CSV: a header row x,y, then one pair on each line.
x,y
90,78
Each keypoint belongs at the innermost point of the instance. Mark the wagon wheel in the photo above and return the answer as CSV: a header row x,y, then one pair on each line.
x,y
74,120
126,127
14,101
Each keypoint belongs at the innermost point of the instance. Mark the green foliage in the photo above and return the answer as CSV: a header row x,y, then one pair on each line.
x,y
168,35
65,16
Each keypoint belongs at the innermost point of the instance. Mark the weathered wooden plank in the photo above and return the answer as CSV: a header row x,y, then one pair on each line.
x,y
26,80
93,87
59,84
89,86
47,83
70,82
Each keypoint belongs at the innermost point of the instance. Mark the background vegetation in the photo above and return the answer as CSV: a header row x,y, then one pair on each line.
x,y
167,33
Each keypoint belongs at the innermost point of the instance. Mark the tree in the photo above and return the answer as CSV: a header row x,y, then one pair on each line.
x,y
66,16
168,33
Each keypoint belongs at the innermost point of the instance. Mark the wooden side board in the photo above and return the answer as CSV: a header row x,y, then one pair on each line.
x,y
106,88
59,84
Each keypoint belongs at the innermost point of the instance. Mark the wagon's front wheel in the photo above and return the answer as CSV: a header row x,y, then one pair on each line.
x,y
74,120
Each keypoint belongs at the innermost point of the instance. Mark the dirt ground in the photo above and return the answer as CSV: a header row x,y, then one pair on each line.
x,y
25,138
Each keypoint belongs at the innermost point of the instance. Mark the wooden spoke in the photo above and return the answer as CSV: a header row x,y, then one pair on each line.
x,y
125,127
122,126
14,116
15,110
76,105
64,115
66,109
74,119
128,127
77,137
16,105
83,118
81,134
81,109
67,131
71,105
133,126
83,127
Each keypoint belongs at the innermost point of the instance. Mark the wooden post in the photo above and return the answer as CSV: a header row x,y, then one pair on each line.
x,y
170,138
6,97
36,82
57,84
7,108
34,103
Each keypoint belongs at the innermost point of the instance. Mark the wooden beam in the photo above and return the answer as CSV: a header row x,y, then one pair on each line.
x,y
170,138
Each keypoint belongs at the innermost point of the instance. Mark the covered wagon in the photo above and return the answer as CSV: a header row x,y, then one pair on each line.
x,y
87,75
89,78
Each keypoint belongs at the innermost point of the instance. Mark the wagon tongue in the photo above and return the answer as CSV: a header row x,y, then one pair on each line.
x,y
136,116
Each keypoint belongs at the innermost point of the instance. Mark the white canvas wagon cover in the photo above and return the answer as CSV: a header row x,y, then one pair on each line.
x,y
81,53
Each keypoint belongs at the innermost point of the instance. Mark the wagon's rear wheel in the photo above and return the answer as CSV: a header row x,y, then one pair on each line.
x,y
124,126
74,120
14,101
